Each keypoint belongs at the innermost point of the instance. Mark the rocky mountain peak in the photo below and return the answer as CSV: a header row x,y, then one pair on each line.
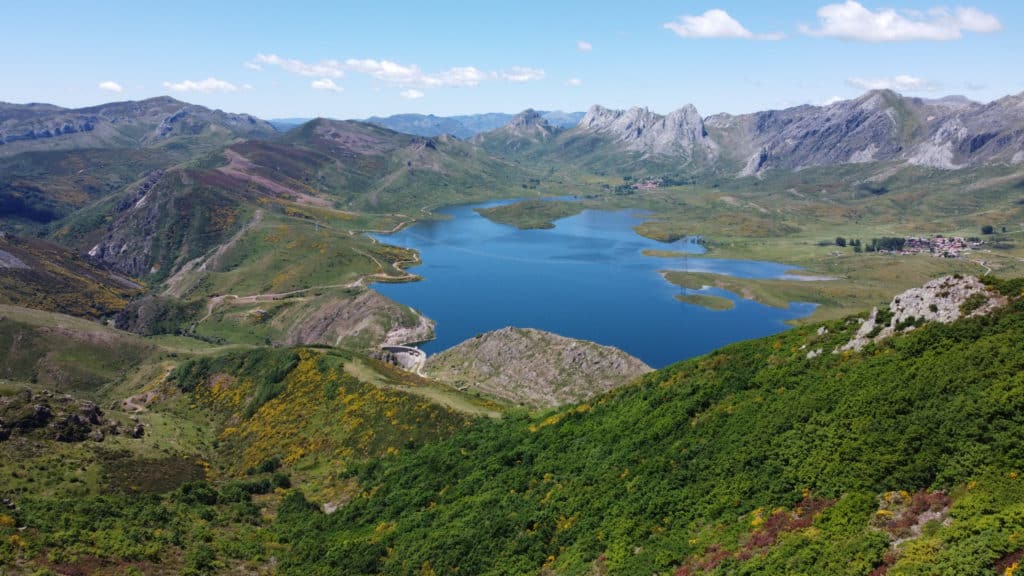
x,y
680,132
527,119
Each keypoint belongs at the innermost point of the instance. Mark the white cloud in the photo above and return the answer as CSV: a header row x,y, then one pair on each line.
x,y
832,100
715,23
520,74
251,65
900,83
412,94
852,21
458,76
574,82
584,46
324,68
209,85
111,86
386,70
395,73
325,84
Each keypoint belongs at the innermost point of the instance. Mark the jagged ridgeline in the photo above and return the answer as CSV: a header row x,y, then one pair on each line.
x,y
880,127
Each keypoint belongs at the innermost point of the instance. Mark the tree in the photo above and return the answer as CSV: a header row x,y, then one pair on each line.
x,y
986,229
840,241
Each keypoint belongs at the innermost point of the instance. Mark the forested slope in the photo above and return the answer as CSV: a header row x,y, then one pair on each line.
x,y
753,459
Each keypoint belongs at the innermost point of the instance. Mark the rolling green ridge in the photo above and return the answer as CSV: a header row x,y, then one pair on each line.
x,y
48,276
225,434
753,459
902,459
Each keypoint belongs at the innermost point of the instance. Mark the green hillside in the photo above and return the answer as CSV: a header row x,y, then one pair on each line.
x,y
46,276
751,460
755,459
224,434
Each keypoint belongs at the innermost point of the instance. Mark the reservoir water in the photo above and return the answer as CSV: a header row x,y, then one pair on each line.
x,y
586,278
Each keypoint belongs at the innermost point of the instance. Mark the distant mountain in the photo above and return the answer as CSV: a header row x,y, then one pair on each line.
x,y
54,160
428,125
172,218
286,124
522,131
679,133
141,124
465,126
879,127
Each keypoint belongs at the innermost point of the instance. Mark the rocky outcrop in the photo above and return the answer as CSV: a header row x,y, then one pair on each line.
x,y
872,128
680,133
523,131
534,368
942,300
11,262
529,123
57,417
365,321
879,126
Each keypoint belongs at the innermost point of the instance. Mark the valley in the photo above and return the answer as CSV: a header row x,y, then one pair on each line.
x,y
198,317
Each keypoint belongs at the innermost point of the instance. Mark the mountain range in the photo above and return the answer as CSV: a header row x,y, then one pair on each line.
x,y
879,127
196,371
461,126
135,184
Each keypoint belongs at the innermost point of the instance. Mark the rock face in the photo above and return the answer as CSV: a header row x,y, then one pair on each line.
x,y
639,130
942,300
534,368
524,130
529,123
10,261
58,417
365,321
879,126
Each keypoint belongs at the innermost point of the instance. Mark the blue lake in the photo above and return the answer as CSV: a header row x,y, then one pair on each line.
x,y
585,278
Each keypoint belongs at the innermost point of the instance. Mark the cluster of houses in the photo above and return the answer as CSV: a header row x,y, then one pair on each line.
x,y
649,184
939,247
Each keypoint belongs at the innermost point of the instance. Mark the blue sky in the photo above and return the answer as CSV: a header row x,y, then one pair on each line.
x,y
359,58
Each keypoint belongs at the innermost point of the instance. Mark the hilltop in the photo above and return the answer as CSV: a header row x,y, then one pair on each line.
x,y
54,161
132,124
534,368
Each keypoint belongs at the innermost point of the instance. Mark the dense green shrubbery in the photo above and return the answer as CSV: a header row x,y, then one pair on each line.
x,y
751,460
223,524
675,470
266,368
152,315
